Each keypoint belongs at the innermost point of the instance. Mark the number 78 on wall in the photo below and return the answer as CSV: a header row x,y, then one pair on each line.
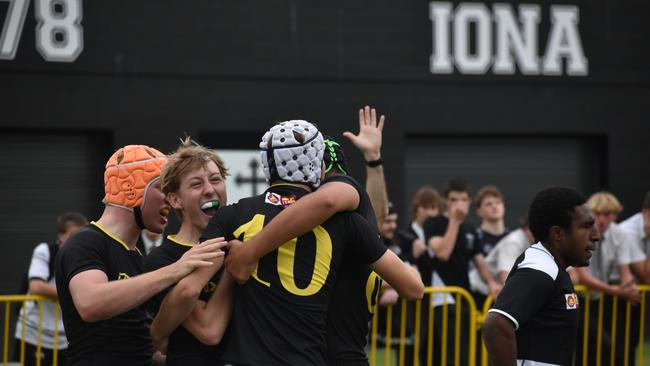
x,y
59,34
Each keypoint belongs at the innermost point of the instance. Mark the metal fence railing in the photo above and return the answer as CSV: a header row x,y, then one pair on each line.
x,y
608,337
10,317
416,333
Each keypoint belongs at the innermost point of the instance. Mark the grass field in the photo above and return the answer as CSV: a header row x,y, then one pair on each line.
x,y
381,358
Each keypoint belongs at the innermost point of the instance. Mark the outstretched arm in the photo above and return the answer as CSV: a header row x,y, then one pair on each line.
x,y
96,298
295,220
368,141
399,275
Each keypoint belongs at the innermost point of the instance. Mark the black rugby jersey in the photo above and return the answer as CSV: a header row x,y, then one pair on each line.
x,y
123,338
355,295
539,299
183,347
279,315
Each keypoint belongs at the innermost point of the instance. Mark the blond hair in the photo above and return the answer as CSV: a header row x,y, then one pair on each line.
x,y
604,202
189,155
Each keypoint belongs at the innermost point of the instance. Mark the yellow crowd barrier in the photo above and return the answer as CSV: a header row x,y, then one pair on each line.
x,y
9,320
394,351
463,334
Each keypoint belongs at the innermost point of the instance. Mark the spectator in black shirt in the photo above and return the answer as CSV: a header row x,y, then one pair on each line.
x,y
453,244
535,318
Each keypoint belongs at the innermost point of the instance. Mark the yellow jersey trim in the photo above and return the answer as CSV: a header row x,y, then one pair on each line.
x,y
114,237
173,239
301,186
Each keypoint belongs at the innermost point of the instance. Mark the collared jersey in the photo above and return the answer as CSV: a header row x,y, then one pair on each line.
x,y
183,347
355,295
279,315
125,337
539,299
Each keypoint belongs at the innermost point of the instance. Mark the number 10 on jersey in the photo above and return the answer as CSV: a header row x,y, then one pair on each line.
x,y
59,34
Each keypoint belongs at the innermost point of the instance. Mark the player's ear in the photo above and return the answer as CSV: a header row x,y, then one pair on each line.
x,y
556,234
174,200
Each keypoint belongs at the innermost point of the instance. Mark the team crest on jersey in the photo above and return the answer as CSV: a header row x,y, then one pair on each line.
x,y
273,199
209,287
287,200
572,301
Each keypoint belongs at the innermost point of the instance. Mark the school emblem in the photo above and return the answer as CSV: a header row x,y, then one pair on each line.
x,y
572,301
273,199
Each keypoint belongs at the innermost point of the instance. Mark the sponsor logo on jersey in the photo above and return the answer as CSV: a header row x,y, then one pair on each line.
x,y
572,301
288,200
273,199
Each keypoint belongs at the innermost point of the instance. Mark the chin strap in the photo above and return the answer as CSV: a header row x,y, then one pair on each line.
x,y
138,217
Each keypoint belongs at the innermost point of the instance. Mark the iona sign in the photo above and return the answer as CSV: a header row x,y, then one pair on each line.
x,y
505,38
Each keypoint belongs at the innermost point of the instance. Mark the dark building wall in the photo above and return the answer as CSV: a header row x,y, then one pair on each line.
x,y
221,71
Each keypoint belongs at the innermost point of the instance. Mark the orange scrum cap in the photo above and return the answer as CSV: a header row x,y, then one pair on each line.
x,y
129,173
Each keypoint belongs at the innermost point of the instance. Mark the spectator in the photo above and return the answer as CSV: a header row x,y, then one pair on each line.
x,y
611,259
41,282
454,246
638,227
390,297
491,209
502,257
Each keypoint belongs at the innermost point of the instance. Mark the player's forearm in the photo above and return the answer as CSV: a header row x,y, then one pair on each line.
x,y
181,301
211,320
302,216
108,299
503,275
376,188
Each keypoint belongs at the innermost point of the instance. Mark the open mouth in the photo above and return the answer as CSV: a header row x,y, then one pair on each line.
x,y
210,208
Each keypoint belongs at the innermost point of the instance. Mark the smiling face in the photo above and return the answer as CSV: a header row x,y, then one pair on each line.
x,y
199,187
155,208
577,244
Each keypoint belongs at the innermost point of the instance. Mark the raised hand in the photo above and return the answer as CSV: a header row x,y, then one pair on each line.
x,y
368,141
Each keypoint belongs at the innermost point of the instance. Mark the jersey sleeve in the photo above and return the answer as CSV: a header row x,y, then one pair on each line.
x,y
523,294
39,267
366,243
82,252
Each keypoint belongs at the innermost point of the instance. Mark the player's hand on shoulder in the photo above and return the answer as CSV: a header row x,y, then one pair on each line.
x,y
201,255
239,264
